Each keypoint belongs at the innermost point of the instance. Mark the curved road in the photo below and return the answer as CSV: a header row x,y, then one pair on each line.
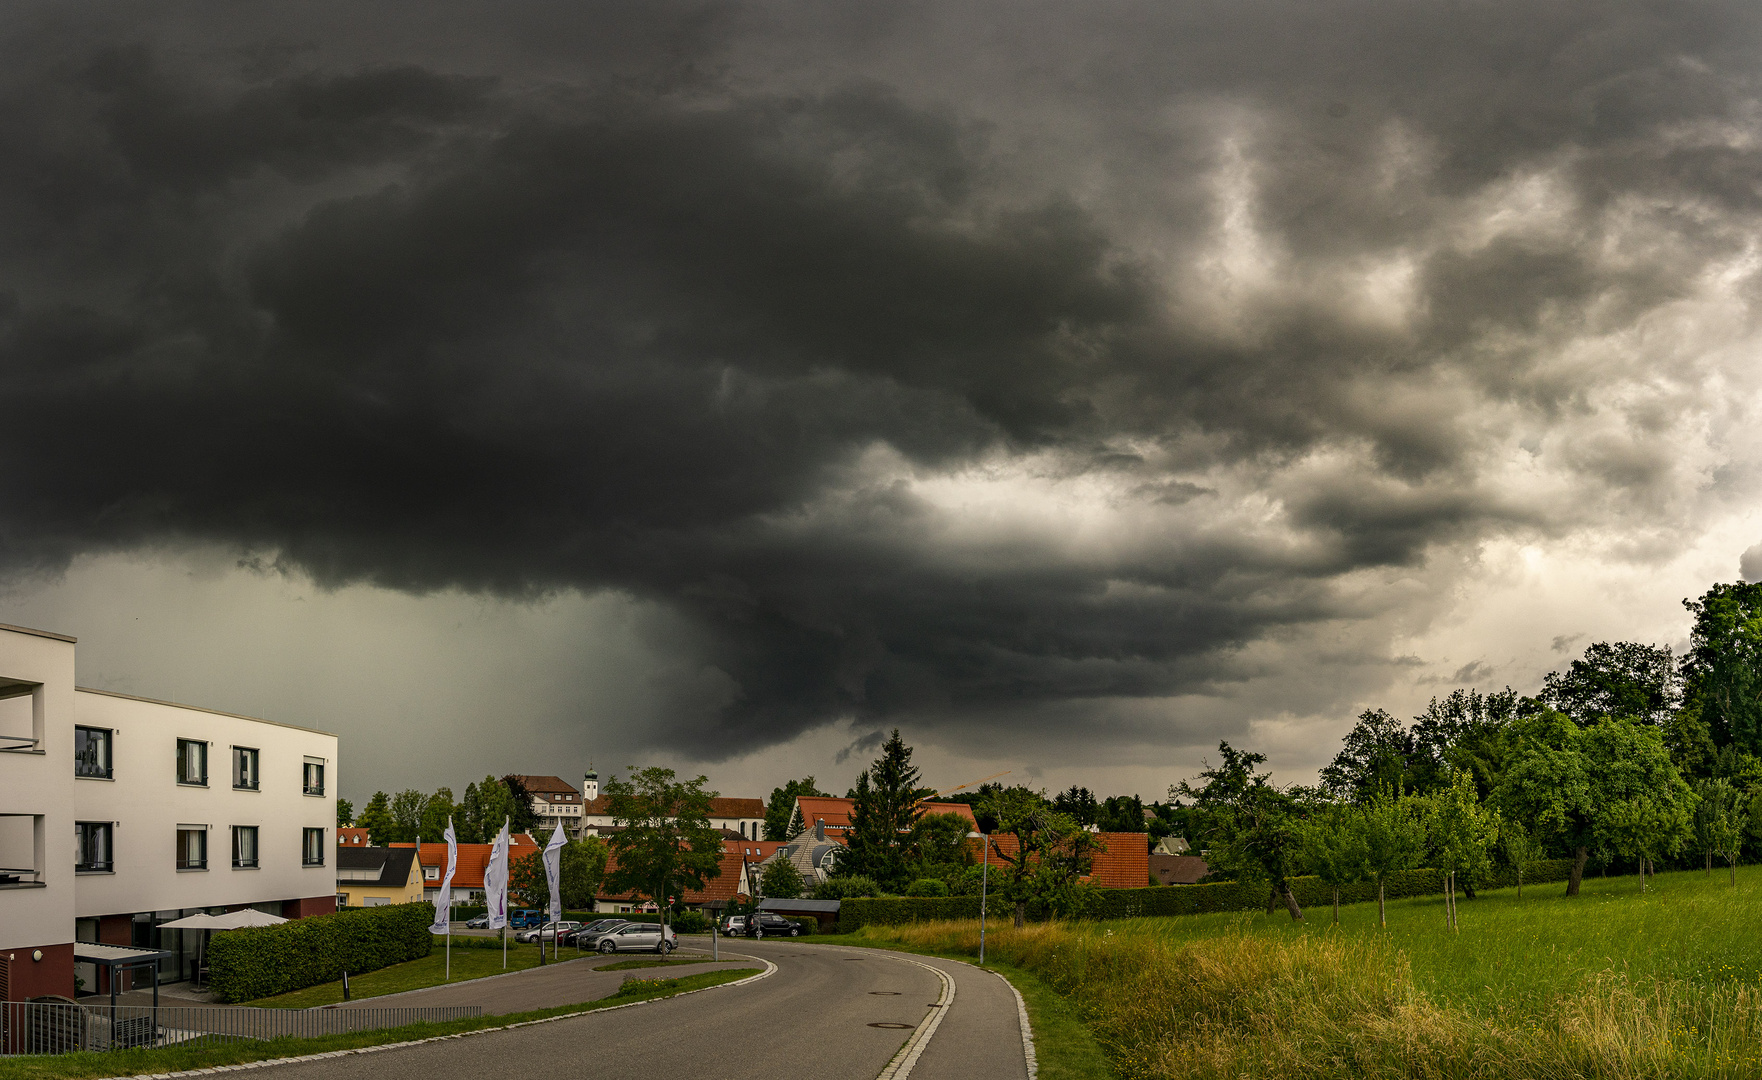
x,y
812,1017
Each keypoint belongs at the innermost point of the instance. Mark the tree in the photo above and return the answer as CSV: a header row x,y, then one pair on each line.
x,y
1077,803
1643,807
665,841
1618,678
1121,813
939,840
1722,672
780,807
345,813
1520,849
1394,838
521,815
1331,846
1549,787
1375,754
376,818
527,883
1465,730
436,812
1719,822
842,887
407,806
1462,831
781,879
1051,850
886,806
485,807
581,866
1253,824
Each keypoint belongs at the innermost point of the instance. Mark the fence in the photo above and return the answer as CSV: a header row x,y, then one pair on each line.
x,y
39,1027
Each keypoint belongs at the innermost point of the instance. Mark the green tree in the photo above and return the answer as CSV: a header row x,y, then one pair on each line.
x,y
1077,803
1719,822
843,887
527,884
1375,754
886,806
1722,671
782,880
1051,850
1520,849
1643,807
1331,846
1253,824
780,807
1618,678
436,812
1549,787
376,818
345,813
664,841
1394,838
1464,730
487,804
1121,813
581,866
1462,832
520,812
407,806
940,839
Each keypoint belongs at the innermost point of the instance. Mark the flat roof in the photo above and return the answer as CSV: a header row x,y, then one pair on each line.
x,y
199,708
110,955
37,633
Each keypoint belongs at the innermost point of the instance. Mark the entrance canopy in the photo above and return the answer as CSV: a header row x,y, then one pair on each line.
x,y
119,958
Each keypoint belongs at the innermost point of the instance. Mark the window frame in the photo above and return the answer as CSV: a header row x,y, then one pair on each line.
x,y
306,787
109,772
184,863
256,859
256,783
82,847
307,847
182,758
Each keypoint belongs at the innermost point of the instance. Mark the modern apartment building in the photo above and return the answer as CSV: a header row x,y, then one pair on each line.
x,y
171,810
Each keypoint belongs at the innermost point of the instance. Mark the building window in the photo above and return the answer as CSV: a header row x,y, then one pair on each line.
x,y
314,778
192,762
431,873
91,752
192,849
312,850
244,847
244,768
92,846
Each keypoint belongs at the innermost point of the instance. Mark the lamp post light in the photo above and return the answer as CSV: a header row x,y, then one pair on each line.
x,y
984,883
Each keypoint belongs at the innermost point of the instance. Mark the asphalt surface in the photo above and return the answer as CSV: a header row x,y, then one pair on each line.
x,y
813,1017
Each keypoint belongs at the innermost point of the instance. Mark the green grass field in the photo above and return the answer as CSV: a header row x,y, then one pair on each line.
x,y
431,970
1613,983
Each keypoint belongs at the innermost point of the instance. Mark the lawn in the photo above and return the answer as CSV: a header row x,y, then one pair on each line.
x,y
431,970
82,1066
1611,983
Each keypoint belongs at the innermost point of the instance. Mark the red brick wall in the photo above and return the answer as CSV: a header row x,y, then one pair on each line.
x,y
308,906
1126,862
117,930
53,974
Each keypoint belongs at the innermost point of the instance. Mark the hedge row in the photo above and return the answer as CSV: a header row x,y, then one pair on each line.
x,y
259,961
856,912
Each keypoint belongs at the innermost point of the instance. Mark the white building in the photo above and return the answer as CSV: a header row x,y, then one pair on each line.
x,y
170,810
743,816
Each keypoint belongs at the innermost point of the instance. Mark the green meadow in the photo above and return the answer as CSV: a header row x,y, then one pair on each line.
x,y
1612,983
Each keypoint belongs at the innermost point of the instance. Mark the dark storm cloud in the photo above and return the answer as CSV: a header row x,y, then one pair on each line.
x,y
730,319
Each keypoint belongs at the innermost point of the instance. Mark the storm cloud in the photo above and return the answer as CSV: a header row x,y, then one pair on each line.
x,y
994,366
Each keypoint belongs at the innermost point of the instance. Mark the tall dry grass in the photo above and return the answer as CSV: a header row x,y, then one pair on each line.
x,y
1245,1005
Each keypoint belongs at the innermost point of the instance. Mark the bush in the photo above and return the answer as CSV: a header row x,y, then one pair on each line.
x,y
927,887
264,960
840,888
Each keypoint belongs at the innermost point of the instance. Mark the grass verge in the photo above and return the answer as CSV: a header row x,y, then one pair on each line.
x,y
430,970
631,965
1065,1048
84,1066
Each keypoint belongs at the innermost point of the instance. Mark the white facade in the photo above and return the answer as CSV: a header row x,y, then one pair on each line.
x,y
106,841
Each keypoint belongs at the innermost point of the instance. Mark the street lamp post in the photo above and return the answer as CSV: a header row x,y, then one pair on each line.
x,y
984,883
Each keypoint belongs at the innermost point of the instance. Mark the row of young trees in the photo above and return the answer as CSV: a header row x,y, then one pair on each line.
x,y
411,815
1627,754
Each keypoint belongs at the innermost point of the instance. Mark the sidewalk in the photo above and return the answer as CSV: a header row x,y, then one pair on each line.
x,y
568,982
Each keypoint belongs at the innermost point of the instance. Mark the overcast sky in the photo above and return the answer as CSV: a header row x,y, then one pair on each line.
x,y
718,384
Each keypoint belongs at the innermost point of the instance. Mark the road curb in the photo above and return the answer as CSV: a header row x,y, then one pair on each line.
x,y
907,1058
770,969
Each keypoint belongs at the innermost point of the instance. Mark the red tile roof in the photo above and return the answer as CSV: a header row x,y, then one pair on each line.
x,y
351,836
1178,869
546,785
836,812
719,807
468,874
1126,862
716,888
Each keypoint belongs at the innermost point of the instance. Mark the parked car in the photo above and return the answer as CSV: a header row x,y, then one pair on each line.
x,y
479,923
734,925
525,919
547,932
590,931
632,937
770,924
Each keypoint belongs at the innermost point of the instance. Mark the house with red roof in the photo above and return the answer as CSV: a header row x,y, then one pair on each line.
x,y
468,873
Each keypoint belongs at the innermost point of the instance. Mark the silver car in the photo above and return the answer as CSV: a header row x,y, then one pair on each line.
x,y
547,932
635,937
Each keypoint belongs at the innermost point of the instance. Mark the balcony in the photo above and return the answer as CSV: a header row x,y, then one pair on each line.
x,y
21,727
21,851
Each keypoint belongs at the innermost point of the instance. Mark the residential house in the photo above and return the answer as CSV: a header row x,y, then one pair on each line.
x,y
834,814
1177,869
554,802
172,810
352,836
468,871
377,876
744,817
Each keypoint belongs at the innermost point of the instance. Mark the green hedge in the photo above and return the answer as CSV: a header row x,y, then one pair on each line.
x,y
857,912
264,960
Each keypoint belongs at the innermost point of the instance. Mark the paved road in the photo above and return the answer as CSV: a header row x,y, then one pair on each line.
x,y
812,1018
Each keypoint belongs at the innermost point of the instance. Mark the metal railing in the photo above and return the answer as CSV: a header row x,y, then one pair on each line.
x,y
37,1027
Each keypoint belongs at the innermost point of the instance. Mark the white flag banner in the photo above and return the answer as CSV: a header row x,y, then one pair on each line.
x,y
443,900
553,875
495,881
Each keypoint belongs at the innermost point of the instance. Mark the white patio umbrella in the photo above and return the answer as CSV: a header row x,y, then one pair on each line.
x,y
199,921
235,920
